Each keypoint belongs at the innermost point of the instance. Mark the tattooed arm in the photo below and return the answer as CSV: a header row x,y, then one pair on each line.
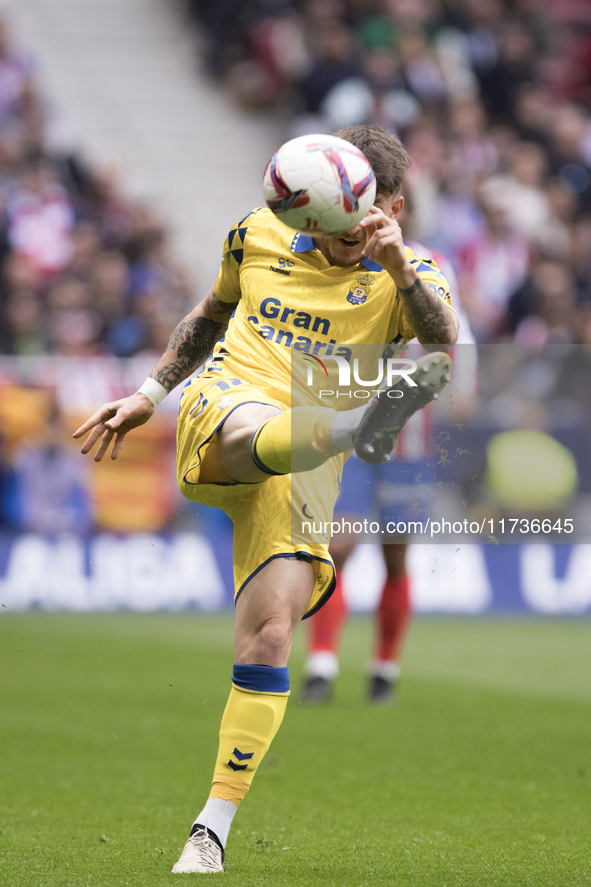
x,y
193,340
190,344
430,317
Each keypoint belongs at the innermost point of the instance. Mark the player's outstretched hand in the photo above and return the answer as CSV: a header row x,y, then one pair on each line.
x,y
114,420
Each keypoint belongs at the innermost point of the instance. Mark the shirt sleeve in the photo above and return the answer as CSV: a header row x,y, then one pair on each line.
x,y
227,284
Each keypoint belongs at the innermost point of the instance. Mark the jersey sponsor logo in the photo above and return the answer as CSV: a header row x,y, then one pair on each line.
x,y
273,309
357,295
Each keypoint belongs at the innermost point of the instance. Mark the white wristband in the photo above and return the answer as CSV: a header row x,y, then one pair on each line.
x,y
153,390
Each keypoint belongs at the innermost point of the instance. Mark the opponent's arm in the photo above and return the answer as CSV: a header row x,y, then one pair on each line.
x,y
190,344
429,316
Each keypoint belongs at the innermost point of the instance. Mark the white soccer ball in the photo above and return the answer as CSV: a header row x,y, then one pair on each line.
x,y
319,184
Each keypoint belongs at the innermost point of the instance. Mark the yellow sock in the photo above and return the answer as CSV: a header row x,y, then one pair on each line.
x,y
296,440
252,716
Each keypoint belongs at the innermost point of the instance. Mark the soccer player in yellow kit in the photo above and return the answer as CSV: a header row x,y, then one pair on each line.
x,y
279,295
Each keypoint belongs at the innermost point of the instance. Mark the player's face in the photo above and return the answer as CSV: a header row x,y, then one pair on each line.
x,y
345,249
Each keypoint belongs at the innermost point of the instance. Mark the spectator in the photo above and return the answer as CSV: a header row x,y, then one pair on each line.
x,y
15,77
25,324
580,259
542,309
50,484
73,251
492,266
336,60
513,68
492,98
520,191
378,97
40,220
422,71
473,154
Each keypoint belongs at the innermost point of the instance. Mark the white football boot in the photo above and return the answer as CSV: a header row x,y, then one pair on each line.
x,y
200,854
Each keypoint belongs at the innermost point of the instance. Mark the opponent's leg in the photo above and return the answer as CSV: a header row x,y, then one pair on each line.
x,y
324,636
392,618
267,614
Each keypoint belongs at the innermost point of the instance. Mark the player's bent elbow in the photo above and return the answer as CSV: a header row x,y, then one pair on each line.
x,y
449,335
443,341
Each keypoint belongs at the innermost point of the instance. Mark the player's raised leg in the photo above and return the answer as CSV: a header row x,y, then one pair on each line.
x,y
377,432
258,441
267,614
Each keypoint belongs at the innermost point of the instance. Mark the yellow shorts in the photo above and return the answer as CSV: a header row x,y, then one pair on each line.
x,y
269,516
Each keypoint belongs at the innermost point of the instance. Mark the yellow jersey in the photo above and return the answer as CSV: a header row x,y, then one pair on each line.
x,y
291,298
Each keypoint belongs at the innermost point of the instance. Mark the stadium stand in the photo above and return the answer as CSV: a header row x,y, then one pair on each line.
x,y
492,98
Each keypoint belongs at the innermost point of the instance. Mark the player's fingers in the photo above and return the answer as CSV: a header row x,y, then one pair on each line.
x,y
92,438
104,444
380,239
372,218
384,240
121,415
371,244
372,211
100,416
124,413
117,445
369,233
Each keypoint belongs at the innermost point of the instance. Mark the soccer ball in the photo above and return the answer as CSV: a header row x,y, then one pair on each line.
x,y
319,184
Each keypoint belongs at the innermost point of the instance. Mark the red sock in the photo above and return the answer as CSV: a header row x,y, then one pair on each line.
x,y
393,618
326,625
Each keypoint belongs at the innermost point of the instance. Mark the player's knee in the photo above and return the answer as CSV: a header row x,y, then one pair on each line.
x,y
270,643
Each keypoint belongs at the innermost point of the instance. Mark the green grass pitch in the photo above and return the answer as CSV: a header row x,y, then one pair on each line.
x,y
479,775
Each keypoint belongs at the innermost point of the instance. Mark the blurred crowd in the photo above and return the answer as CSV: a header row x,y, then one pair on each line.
x,y
83,270
492,99
46,486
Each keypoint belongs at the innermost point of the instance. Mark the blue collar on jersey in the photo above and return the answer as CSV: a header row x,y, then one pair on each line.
x,y
301,243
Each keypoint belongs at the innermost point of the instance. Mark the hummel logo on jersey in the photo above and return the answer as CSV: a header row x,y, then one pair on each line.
x,y
284,265
240,756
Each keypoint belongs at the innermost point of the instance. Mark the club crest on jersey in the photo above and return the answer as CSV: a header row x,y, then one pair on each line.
x,y
358,294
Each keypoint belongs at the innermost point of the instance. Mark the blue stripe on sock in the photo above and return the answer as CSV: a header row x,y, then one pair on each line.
x,y
261,678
